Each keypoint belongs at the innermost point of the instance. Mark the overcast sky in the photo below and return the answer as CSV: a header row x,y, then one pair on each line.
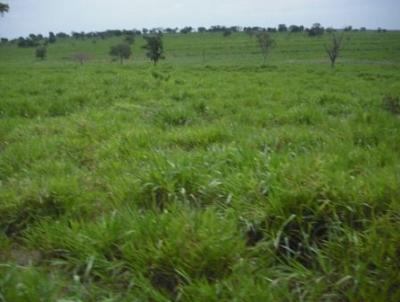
x,y
42,16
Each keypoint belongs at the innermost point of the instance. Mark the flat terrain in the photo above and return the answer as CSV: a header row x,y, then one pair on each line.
x,y
209,177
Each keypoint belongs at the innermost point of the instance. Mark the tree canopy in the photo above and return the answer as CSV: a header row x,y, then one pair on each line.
x,y
155,48
4,8
123,51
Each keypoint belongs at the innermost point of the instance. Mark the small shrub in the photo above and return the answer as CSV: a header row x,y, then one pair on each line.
x,y
160,76
121,51
391,104
41,52
266,43
227,33
80,57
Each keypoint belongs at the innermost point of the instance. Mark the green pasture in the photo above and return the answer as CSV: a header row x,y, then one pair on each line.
x,y
208,177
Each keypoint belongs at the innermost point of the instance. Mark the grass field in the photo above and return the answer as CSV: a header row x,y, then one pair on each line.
x,y
209,177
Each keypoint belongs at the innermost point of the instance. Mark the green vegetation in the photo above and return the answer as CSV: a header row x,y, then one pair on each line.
x,y
121,51
205,178
155,48
41,52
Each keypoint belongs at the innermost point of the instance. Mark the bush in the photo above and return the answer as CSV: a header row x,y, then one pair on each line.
x,y
52,37
391,104
80,57
316,30
41,52
122,51
227,33
265,42
130,39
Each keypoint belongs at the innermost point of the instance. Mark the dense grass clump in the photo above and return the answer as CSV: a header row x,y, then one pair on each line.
x,y
208,177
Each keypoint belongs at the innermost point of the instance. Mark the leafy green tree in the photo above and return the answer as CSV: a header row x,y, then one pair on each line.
x,y
122,51
316,30
52,37
282,28
186,30
22,42
266,43
4,8
348,28
155,48
296,28
41,52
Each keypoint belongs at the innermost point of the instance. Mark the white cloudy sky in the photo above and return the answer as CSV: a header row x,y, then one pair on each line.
x,y
42,16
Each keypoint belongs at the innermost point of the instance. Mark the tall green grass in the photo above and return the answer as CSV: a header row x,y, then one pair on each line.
x,y
201,180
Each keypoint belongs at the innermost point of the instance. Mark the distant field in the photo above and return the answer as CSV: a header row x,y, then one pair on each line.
x,y
237,49
209,177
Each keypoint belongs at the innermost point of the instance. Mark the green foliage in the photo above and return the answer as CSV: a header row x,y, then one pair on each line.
x,y
27,42
121,51
282,28
391,104
155,48
227,33
52,37
41,52
316,30
130,39
19,284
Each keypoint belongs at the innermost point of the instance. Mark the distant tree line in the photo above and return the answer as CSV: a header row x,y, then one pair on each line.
x,y
154,42
129,35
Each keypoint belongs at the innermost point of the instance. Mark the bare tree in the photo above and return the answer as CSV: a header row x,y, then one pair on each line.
x,y
80,57
266,43
4,8
334,48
